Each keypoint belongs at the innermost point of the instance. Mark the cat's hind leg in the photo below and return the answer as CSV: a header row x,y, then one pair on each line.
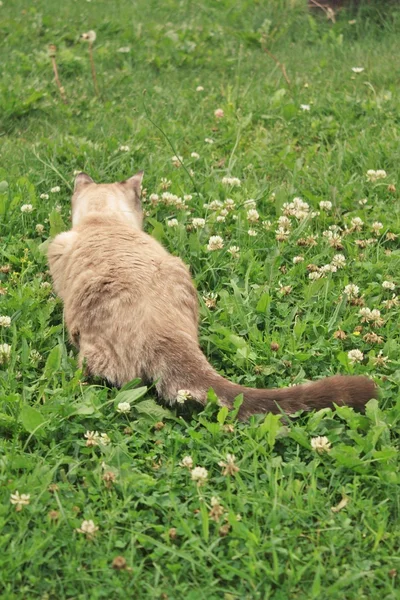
x,y
100,359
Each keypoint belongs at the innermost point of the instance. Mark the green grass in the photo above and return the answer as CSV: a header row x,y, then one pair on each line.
x,y
287,542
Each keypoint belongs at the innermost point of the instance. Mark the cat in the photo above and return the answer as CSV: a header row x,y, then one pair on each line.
x,y
132,311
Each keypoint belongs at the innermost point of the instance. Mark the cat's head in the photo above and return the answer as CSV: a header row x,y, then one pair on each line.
x,y
121,200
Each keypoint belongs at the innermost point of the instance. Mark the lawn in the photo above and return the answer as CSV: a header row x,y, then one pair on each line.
x,y
297,175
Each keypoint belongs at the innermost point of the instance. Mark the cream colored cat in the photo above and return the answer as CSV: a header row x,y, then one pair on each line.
x,y
131,309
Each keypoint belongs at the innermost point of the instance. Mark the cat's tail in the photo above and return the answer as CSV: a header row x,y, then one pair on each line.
x,y
352,391
192,373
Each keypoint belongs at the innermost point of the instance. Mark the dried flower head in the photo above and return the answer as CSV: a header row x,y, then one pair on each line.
x,y
229,467
118,563
219,113
92,438
217,510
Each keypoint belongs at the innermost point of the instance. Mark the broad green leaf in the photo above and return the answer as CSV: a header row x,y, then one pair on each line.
x,y
222,414
31,419
53,363
130,395
151,409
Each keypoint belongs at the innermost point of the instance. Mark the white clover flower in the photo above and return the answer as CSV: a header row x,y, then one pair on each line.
x,y
375,175
124,49
234,251
39,228
365,313
198,223
88,528
220,219
35,356
55,189
267,225
282,234
177,160
195,155
173,223
200,475
182,396
19,500
44,196
357,69
298,259
5,321
252,232
250,203
229,204
321,444
376,227
355,356
123,407
92,438
219,113
208,141
5,353
199,88
215,205
325,205
154,199
232,181
104,439
330,268
252,215
297,208
26,208
351,290
186,462
392,303
215,243
305,106
124,148
357,223
89,36
339,261
165,183
285,222
387,285
315,275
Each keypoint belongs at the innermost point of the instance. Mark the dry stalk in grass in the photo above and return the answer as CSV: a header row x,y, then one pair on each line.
x,y
329,12
278,63
52,49
90,37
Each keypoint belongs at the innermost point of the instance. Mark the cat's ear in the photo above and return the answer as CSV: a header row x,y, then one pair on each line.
x,y
135,183
82,179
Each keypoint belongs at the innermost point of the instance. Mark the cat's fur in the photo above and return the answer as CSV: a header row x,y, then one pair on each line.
x,y
131,309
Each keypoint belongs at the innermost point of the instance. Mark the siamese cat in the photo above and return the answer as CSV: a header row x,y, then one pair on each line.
x,y
131,309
